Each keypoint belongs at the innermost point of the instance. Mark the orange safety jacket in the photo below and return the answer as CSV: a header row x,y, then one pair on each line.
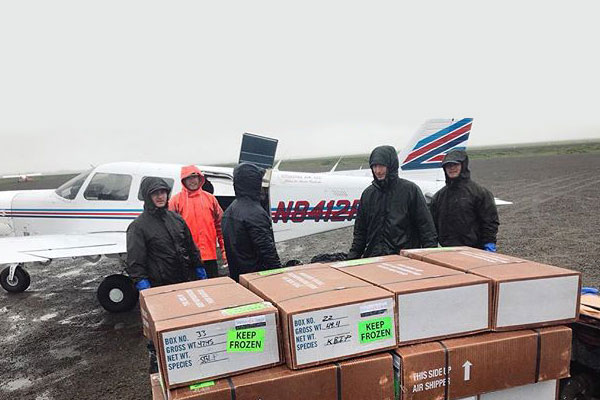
x,y
202,213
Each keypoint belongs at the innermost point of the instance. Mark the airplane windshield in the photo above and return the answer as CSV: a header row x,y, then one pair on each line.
x,y
69,189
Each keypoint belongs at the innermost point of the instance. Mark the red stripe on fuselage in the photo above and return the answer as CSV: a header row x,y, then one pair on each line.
x,y
66,213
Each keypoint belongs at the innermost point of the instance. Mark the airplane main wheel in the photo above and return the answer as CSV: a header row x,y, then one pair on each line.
x,y
19,283
117,293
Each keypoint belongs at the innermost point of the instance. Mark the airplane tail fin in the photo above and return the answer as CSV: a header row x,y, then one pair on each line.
x,y
423,154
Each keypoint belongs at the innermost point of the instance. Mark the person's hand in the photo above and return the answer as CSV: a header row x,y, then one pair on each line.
x,y
201,273
142,284
224,258
490,247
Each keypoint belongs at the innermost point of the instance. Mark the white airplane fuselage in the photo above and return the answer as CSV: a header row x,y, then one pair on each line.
x,y
300,203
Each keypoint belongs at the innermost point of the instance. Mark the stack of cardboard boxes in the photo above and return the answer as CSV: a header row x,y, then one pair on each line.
x,y
426,315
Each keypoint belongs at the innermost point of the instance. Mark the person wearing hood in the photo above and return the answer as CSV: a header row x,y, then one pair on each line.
x,y
247,228
393,213
160,248
202,213
464,212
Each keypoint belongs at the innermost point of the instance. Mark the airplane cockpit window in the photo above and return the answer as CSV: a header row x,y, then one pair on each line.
x,y
169,181
104,186
70,188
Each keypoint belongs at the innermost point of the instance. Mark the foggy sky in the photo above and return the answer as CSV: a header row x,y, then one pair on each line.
x,y
86,82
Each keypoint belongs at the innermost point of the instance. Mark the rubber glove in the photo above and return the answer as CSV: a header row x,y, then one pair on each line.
x,y
201,273
142,284
490,247
589,290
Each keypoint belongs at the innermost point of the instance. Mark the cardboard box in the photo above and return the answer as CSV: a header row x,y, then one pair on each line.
x,y
469,366
157,392
210,328
366,378
525,293
326,314
461,257
146,293
431,301
547,390
590,305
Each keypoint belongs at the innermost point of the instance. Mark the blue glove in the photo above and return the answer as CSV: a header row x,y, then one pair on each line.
x,y
142,284
589,290
490,247
201,273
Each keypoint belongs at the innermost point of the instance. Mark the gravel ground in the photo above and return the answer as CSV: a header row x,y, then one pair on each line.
x,y
58,343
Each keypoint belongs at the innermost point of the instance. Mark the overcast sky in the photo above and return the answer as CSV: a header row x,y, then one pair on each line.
x,y
85,82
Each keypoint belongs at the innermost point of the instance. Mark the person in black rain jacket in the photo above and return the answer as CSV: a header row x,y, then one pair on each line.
x,y
464,212
160,248
247,228
393,214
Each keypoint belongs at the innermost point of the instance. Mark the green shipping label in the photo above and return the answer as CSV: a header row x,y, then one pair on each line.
x,y
244,309
202,385
246,340
375,329
272,271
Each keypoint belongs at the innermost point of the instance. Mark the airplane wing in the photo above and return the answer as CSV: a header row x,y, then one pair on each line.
x,y
46,247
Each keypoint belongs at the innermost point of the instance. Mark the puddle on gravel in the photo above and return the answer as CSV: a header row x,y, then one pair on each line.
x,y
45,317
66,352
16,384
70,273
44,396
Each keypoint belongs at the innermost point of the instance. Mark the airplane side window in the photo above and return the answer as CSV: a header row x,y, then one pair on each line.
x,y
169,181
69,189
112,187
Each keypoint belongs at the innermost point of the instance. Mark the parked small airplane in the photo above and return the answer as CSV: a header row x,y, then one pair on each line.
x,y
22,177
88,215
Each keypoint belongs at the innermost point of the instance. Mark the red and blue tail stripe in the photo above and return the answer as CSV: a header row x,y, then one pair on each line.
x,y
430,151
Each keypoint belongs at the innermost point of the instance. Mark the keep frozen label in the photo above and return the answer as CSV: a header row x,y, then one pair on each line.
x,y
245,340
336,332
375,329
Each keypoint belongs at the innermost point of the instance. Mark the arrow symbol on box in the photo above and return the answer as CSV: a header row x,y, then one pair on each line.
x,y
467,367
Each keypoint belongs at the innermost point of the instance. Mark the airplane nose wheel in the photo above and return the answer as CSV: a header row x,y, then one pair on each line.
x,y
18,283
117,293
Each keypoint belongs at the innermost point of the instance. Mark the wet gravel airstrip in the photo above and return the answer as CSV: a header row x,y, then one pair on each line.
x,y
56,341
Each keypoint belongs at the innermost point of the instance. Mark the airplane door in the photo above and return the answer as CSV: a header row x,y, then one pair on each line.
x,y
260,151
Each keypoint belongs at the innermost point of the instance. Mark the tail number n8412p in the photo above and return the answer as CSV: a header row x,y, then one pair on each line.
x,y
325,211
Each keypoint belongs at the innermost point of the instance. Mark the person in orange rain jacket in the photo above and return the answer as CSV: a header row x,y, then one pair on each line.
x,y
202,213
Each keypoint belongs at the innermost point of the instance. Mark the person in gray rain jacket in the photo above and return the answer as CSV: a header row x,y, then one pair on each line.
x,y
160,247
464,212
393,214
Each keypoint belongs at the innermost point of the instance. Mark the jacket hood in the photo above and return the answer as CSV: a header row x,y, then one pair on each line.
x,y
188,171
247,180
150,185
385,155
461,157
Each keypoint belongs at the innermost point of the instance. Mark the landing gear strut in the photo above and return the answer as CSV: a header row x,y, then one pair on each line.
x,y
14,278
